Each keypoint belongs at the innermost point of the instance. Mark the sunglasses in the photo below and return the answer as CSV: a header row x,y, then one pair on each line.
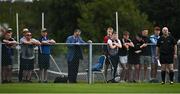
x,y
28,35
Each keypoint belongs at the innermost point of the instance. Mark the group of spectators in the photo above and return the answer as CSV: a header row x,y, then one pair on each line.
x,y
138,54
141,52
27,56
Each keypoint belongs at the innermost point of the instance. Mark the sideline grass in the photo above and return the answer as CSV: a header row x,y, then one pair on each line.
x,y
85,88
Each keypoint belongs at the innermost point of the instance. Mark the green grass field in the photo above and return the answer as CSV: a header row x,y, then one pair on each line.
x,y
86,88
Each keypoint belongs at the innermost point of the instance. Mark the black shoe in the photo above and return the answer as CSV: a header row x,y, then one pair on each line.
x,y
134,81
4,81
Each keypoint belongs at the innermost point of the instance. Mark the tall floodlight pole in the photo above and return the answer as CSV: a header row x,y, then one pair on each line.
x,y
42,20
17,36
117,29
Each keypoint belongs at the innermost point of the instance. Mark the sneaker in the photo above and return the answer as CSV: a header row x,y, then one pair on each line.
x,y
171,82
4,81
162,83
134,81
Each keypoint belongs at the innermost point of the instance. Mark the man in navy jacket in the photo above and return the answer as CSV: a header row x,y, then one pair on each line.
x,y
74,55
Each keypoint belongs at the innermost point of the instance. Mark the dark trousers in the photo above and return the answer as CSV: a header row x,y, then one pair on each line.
x,y
73,67
114,60
20,71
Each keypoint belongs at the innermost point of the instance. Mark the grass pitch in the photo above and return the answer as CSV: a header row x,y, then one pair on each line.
x,y
86,88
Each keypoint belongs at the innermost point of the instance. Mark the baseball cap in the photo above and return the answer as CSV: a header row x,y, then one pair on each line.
x,y
9,29
25,30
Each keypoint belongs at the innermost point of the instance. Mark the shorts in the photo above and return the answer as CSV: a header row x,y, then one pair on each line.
x,y
123,59
166,59
6,61
27,64
44,61
133,59
145,60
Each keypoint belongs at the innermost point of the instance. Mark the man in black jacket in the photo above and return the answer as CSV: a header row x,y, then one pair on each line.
x,y
166,52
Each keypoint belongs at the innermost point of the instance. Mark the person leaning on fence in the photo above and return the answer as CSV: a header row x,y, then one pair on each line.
x,y
27,55
44,55
7,54
105,48
20,76
154,38
166,52
145,58
74,54
123,54
134,59
113,45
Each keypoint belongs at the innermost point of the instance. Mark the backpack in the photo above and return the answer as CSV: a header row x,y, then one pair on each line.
x,y
61,79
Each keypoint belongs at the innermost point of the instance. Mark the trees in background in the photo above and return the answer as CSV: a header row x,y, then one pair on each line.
x,y
98,15
162,13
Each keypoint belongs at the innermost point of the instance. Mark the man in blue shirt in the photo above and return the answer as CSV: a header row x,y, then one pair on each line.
x,y
154,38
44,54
74,55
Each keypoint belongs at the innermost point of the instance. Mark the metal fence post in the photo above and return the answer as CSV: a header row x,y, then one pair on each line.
x,y
90,64
0,63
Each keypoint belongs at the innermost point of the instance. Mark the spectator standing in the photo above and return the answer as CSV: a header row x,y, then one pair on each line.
x,y
154,38
74,55
123,54
7,55
105,48
20,76
113,46
134,59
145,58
44,55
166,52
27,55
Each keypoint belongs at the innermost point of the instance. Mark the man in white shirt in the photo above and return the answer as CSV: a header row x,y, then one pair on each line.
x,y
113,45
